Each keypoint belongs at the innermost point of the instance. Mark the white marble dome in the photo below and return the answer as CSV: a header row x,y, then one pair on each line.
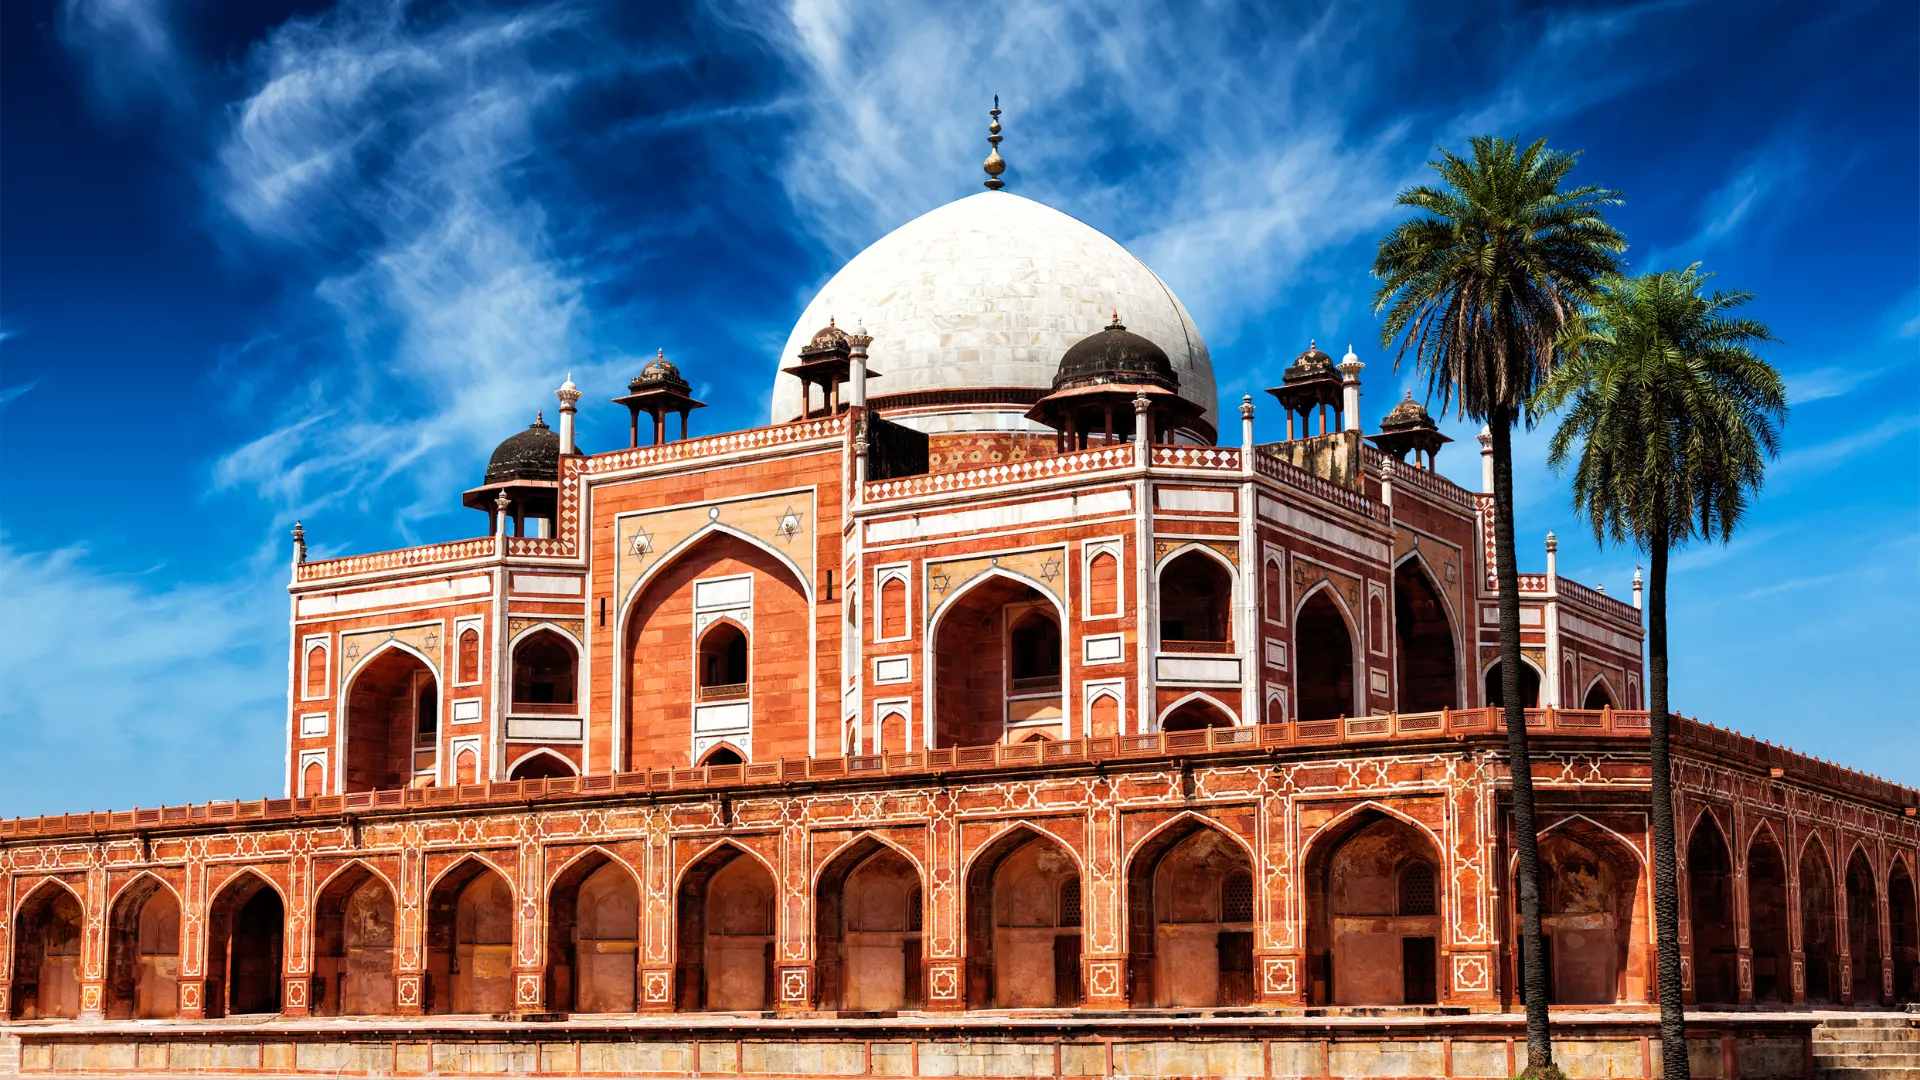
x,y
989,291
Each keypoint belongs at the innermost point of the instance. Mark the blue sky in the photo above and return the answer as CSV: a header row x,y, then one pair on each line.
x,y
271,261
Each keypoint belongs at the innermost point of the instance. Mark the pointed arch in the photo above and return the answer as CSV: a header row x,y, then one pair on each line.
x,y
1820,901
1363,948
1197,589
1765,860
718,753
471,857
1539,679
48,929
1428,651
1583,821
1198,697
1710,907
1344,817
246,943
143,949
1863,888
390,645
1605,686
970,703
594,933
680,872
542,754
868,905
1022,940
726,902
320,885
692,541
354,923
1327,679
1187,945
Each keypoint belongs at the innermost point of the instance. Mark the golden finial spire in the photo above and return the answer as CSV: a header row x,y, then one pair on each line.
x,y
995,164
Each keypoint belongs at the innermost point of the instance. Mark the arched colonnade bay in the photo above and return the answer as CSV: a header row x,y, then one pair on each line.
x,y
1171,887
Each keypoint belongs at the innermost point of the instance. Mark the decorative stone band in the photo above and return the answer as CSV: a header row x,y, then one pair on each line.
x,y
405,558
1307,735
1079,462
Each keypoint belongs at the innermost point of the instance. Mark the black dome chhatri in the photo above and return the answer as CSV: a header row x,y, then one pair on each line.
x,y
533,454
1114,355
1310,364
1406,416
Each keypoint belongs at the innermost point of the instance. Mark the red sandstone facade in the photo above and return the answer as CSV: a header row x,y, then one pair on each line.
x,y
1087,720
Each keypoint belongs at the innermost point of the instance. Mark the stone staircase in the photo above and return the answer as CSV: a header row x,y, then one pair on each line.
x,y
1885,1047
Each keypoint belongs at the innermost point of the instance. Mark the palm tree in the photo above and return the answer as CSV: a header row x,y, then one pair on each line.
x,y
1478,288
1672,416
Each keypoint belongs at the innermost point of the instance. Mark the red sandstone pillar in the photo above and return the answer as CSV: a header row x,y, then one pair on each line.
x,y
793,945
946,980
193,943
296,945
93,948
410,936
6,946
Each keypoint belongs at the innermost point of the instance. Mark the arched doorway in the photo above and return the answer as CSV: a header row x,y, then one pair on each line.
x,y
1373,913
470,941
1767,915
996,660
46,954
1590,916
543,765
1529,686
143,952
1863,929
545,674
672,632
1023,924
593,937
1598,697
1903,915
723,661
1818,940
1190,920
725,915
1427,665
867,930
1196,604
392,722
246,926
1710,908
353,925
1323,657
1196,714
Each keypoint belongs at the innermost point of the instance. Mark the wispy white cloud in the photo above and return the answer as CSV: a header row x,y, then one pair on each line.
x,y
140,687
8,394
1770,177
394,152
1821,456
130,50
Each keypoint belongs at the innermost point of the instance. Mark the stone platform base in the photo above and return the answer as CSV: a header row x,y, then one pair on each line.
x,y
1725,1046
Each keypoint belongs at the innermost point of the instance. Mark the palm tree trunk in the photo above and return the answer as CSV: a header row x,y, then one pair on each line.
x,y
1526,839
1666,889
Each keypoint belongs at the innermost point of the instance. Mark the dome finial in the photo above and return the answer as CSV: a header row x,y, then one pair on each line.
x,y
995,164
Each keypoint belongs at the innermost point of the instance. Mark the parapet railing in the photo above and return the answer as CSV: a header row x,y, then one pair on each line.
x,y
425,555
1355,731
1597,600
1413,476
1176,456
1291,475
1073,463
715,445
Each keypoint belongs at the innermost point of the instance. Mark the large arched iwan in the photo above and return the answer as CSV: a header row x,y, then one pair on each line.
x,y
391,726
1428,660
593,937
977,695
143,952
1323,659
1023,922
868,930
353,931
1373,913
724,913
662,654
1190,909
